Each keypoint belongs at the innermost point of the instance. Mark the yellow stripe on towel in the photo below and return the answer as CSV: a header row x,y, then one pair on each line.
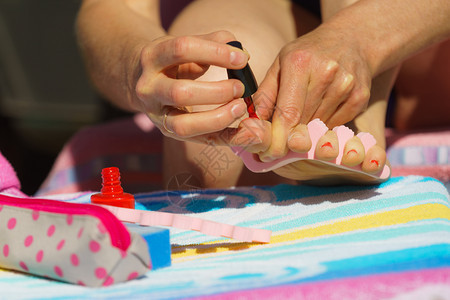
x,y
380,219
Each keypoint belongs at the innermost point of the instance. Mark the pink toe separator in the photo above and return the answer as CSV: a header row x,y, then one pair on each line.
x,y
316,129
344,134
155,218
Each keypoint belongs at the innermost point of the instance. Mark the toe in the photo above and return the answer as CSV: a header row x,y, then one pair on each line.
x,y
327,147
374,160
275,152
299,140
253,134
353,152
278,147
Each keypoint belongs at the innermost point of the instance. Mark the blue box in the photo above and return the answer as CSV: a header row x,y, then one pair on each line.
x,y
158,241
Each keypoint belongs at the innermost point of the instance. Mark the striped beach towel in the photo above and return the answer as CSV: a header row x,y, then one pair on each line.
x,y
349,242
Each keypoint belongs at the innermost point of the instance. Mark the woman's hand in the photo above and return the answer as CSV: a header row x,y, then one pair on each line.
x,y
166,86
322,74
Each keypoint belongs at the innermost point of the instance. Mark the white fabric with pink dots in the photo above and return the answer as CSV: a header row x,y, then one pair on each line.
x,y
67,247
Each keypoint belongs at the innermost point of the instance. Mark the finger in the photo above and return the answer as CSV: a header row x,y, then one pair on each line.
x,y
222,36
191,71
337,93
183,92
266,95
195,70
187,125
321,78
355,104
252,137
186,49
290,101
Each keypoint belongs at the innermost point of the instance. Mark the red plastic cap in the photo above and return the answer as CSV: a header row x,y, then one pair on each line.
x,y
112,192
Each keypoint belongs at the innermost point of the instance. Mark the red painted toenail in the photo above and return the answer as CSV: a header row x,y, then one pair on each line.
x,y
375,162
327,144
353,150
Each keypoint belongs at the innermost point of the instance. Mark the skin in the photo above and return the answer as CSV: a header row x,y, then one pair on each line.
x,y
338,72
332,68
423,92
156,70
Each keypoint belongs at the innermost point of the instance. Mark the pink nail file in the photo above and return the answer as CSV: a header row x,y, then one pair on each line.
x,y
153,218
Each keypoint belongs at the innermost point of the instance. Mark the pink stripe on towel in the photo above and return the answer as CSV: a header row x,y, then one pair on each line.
x,y
364,287
441,173
422,138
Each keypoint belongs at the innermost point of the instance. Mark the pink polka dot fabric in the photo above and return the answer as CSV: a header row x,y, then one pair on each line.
x,y
73,248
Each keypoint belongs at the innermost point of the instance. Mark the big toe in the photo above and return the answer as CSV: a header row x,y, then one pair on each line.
x,y
299,140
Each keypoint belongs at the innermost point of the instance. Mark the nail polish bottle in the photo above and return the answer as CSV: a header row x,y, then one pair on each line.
x,y
246,76
112,192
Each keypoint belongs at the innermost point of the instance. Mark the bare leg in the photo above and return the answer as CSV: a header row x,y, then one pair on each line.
x,y
264,33
263,27
423,90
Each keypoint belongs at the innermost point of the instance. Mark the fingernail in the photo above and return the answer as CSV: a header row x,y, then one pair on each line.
x,y
331,65
238,89
375,162
347,81
238,110
238,58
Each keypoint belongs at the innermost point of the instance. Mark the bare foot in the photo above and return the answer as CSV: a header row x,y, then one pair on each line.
x,y
361,158
322,156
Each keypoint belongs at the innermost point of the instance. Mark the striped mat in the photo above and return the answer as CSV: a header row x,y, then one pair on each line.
x,y
351,242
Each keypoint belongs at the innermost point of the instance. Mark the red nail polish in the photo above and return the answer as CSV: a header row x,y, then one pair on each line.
x,y
327,144
250,107
375,162
353,150
112,192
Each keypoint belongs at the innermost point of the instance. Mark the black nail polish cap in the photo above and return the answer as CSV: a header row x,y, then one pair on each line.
x,y
244,75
